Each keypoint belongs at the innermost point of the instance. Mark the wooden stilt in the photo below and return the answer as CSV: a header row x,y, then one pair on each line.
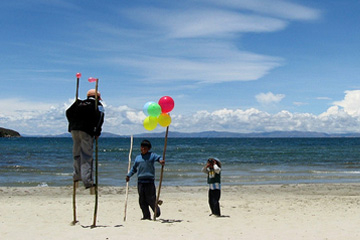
x,y
127,183
74,203
161,175
75,183
96,162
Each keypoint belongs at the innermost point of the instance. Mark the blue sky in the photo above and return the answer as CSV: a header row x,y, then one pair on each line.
x,y
231,65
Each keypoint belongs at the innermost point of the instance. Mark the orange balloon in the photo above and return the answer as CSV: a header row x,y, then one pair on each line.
x,y
164,119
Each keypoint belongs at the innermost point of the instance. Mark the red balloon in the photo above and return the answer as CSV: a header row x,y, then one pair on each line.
x,y
78,75
167,104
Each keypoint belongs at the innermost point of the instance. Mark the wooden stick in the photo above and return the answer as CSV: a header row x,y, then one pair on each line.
x,y
161,174
74,204
96,161
77,89
127,183
75,183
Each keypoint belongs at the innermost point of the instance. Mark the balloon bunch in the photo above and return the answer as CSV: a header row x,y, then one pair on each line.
x,y
158,113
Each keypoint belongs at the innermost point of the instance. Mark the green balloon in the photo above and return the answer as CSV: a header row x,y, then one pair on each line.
x,y
154,110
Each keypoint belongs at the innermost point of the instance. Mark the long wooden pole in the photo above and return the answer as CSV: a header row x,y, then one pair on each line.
x,y
96,161
74,203
75,183
127,183
161,175
77,89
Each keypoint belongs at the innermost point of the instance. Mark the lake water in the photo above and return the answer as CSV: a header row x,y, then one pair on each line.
x,y
30,161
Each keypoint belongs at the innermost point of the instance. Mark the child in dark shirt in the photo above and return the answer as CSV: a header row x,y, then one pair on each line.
x,y
213,169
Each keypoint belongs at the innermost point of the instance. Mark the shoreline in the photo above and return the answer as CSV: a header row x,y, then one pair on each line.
x,y
281,212
204,185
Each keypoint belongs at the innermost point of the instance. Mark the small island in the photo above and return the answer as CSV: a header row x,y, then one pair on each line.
x,y
8,133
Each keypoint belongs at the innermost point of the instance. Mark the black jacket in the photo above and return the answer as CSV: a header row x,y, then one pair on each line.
x,y
83,116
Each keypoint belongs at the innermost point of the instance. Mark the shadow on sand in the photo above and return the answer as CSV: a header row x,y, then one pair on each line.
x,y
170,221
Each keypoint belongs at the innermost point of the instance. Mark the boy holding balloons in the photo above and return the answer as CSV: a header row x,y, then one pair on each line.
x,y
144,167
157,113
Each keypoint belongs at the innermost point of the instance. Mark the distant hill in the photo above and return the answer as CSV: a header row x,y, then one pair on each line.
x,y
274,134
8,133
216,134
104,134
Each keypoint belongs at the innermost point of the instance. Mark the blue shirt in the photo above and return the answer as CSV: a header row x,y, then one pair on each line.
x,y
144,166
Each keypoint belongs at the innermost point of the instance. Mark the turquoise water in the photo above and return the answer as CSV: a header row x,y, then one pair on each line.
x,y
48,161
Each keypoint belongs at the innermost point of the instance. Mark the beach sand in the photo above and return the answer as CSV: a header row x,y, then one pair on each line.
x,y
309,211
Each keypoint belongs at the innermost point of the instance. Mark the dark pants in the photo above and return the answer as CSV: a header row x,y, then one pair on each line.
x,y
147,197
214,197
83,157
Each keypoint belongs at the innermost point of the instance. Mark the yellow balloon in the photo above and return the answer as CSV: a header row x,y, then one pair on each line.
x,y
164,119
150,123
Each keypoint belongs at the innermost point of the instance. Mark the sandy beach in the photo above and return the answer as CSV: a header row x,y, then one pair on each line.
x,y
311,211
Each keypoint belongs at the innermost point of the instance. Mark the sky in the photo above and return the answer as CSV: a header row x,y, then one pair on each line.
x,y
231,65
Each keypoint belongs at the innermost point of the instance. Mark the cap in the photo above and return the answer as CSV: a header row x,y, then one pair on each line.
x,y
91,93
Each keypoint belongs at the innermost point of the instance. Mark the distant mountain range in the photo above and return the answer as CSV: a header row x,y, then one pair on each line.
x,y
216,134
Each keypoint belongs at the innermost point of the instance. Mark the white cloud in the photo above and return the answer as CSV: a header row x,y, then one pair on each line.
x,y
268,98
191,41
222,66
217,23
33,117
16,106
183,41
253,120
351,103
203,21
299,103
196,44
278,8
42,119
323,98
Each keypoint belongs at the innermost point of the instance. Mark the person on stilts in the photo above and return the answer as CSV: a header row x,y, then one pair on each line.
x,y
85,124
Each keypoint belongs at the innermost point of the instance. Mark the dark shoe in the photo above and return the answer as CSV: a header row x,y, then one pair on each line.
x,y
158,212
146,219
